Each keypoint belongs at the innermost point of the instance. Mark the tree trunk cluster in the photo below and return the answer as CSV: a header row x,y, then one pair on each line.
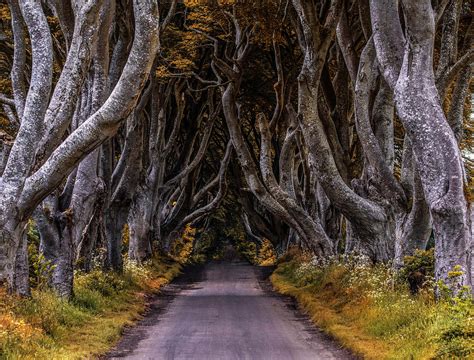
x,y
337,126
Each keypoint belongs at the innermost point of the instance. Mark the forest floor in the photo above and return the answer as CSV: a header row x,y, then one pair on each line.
x,y
104,304
226,311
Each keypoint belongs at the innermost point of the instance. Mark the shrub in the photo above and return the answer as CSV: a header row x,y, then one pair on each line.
x,y
418,270
457,335
266,254
248,250
40,269
182,247
88,299
105,283
134,272
204,248
46,311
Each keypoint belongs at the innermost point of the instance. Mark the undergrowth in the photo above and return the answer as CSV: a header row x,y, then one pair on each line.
x,y
379,313
47,327
263,255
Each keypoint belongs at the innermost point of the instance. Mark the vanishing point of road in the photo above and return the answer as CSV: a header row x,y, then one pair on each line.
x,y
227,314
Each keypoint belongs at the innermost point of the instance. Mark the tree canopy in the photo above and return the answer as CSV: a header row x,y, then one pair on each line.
x,y
337,126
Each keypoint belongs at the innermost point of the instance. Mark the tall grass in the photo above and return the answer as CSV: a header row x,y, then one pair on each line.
x,y
48,327
372,311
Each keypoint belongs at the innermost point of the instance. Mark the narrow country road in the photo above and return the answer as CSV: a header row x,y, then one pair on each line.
x,y
227,315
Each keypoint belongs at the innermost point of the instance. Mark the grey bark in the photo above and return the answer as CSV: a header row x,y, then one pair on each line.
x,y
369,222
22,274
439,161
19,59
410,74
20,159
56,244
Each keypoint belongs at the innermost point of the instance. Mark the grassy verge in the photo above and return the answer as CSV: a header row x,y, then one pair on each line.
x,y
46,327
370,311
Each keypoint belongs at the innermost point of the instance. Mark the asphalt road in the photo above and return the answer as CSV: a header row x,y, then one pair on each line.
x,y
228,314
